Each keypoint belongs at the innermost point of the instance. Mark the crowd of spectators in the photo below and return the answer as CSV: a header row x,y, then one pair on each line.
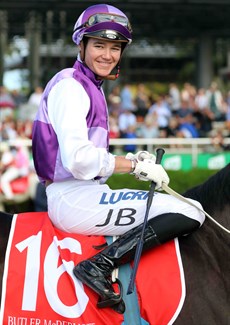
x,y
184,112
17,113
134,112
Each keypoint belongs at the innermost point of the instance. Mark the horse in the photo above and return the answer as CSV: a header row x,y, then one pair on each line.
x,y
204,255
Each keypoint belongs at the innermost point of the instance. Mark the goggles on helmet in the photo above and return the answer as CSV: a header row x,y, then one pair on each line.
x,y
106,17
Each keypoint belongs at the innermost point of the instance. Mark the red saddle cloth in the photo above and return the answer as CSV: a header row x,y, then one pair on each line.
x,y
40,288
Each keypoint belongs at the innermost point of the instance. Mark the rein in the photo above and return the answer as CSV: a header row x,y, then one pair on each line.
x,y
167,189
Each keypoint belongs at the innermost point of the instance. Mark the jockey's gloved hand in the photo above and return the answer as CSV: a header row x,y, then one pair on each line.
x,y
148,170
140,156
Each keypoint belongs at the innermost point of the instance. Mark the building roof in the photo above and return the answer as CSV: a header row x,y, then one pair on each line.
x,y
151,19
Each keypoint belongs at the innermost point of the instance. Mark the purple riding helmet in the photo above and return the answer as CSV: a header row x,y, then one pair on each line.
x,y
104,22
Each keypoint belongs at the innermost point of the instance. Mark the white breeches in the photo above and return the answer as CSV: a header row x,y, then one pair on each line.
x,y
87,207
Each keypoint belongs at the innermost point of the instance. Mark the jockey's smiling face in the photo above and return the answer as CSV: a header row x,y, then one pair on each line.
x,y
102,56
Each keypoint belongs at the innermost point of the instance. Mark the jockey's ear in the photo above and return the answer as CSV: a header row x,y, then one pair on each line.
x,y
82,48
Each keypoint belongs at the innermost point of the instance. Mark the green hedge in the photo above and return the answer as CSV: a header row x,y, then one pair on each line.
x,y
180,181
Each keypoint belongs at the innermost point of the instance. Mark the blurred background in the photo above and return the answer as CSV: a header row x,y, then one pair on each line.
x,y
173,89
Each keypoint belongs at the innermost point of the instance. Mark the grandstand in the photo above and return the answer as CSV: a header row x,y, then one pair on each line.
x,y
189,24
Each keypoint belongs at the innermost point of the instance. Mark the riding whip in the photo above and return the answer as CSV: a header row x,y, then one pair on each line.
x,y
159,154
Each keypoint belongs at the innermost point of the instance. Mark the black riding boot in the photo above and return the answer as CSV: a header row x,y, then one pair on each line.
x,y
96,271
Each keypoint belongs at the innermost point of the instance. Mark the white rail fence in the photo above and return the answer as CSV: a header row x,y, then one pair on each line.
x,y
171,145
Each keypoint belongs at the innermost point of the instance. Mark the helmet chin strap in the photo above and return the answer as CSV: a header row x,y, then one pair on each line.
x,y
115,75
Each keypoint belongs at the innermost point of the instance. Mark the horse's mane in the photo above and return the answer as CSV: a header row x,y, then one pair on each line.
x,y
214,194
5,224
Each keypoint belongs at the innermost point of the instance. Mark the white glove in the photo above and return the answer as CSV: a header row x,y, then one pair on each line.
x,y
140,156
147,170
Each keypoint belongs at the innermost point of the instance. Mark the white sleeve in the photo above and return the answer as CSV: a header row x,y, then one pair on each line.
x,y
68,106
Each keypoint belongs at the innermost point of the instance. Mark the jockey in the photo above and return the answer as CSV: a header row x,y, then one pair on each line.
x,y
72,158
14,163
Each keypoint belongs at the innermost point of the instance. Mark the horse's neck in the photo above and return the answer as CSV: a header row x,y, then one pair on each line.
x,y
212,237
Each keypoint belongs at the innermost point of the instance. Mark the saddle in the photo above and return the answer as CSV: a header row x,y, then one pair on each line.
x,y
39,267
